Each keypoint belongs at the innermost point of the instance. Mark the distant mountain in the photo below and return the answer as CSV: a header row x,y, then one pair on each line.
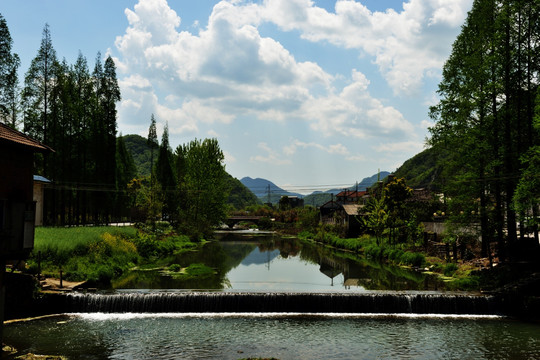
x,y
319,198
369,181
262,187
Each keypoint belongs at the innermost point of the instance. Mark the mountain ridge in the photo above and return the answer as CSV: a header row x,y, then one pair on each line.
x,y
267,191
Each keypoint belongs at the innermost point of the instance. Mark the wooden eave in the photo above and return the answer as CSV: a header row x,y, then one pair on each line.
x,y
12,137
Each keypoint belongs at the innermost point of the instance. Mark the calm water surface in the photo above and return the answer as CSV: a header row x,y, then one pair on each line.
x,y
283,336
269,262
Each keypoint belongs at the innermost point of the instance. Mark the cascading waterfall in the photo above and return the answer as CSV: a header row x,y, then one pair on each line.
x,y
379,302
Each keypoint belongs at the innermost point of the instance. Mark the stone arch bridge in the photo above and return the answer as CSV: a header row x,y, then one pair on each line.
x,y
233,220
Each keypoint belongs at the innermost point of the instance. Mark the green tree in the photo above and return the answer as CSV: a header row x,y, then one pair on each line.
x,y
103,128
165,176
396,193
527,194
484,117
125,173
9,64
202,185
36,97
375,217
152,142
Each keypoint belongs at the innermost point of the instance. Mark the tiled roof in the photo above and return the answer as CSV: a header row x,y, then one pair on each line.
x,y
351,193
10,135
352,209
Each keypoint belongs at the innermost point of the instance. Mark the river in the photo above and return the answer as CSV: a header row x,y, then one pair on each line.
x,y
134,320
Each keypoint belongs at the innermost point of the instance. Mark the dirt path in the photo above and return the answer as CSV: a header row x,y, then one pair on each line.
x,y
54,284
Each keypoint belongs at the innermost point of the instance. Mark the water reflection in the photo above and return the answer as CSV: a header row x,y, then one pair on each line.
x,y
269,262
285,336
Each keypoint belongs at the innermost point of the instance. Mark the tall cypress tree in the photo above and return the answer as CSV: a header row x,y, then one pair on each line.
x,y
9,90
36,96
165,175
152,142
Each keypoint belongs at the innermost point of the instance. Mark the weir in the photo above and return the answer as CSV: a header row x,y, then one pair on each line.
x,y
226,302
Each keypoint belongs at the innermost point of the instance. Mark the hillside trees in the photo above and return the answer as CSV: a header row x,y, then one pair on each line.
x,y
485,116
125,173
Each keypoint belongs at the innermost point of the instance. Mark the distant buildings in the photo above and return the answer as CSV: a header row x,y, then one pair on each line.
x,y
290,202
344,211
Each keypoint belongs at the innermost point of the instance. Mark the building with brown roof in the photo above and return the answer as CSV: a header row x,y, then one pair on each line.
x,y
17,207
350,197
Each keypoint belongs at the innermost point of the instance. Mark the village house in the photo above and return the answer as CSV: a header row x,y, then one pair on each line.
x,y
344,210
17,206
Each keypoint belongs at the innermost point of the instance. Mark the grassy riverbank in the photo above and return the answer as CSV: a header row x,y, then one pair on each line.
x,y
100,254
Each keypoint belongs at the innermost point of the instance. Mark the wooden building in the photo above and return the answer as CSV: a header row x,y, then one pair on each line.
x,y
17,206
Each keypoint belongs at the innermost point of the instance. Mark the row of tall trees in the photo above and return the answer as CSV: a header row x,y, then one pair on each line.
x,y
485,123
72,110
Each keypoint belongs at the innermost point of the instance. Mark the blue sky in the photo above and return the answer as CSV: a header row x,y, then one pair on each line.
x,y
308,94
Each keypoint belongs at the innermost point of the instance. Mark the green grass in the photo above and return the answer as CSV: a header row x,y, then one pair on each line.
x,y
100,254
69,239
328,238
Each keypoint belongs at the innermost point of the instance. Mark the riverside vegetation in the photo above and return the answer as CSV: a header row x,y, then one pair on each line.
x,y
101,254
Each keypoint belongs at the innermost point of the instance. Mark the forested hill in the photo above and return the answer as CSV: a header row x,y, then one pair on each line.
x,y
239,196
140,151
423,170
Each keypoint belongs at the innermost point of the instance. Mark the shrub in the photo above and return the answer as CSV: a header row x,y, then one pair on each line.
x,y
175,268
413,259
199,270
468,283
450,269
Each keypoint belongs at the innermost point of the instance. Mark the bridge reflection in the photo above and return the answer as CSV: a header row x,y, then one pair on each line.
x,y
233,220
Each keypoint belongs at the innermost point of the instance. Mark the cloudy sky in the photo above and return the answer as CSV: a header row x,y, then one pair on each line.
x,y
309,94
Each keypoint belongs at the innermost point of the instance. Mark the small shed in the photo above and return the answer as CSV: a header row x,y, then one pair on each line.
x,y
337,213
40,183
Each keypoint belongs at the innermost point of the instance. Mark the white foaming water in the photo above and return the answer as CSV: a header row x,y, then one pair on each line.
x,y
129,316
